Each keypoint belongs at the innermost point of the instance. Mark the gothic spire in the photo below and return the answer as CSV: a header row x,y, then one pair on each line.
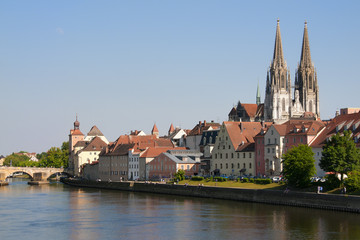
x,y
278,59
258,100
305,60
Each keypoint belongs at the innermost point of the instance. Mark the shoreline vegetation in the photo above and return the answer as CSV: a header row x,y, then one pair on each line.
x,y
273,193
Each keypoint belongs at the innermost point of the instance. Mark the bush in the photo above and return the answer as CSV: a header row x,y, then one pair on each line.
x,y
352,183
263,181
197,178
220,179
245,180
252,180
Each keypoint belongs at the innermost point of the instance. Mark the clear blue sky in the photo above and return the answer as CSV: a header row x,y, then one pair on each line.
x,y
125,65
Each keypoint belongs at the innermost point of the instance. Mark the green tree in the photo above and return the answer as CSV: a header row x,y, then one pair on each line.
x,y
15,160
340,155
55,157
352,183
180,175
299,166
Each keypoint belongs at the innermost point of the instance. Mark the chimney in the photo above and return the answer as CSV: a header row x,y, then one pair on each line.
x,y
204,122
337,113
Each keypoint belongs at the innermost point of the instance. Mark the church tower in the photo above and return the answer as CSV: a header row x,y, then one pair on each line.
x,y
278,102
306,79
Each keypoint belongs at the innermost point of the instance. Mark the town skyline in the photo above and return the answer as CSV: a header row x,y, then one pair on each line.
x,y
125,66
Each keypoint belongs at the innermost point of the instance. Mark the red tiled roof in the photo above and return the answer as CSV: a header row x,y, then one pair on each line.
x,y
156,151
242,133
76,132
250,109
339,124
200,127
96,144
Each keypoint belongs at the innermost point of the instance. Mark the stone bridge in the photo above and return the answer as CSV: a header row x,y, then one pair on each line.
x,y
37,174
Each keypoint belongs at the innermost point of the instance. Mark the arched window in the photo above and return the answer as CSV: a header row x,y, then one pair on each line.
x,y
310,81
283,104
282,81
310,106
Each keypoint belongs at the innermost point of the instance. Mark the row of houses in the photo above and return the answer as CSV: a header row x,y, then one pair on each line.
x,y
233,148
137,156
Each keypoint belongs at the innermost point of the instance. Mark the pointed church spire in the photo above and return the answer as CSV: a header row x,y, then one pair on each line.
x,y
305,60
171,129
258,100
155,130
278,59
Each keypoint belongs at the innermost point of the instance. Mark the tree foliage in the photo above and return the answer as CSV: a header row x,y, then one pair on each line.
x,y
299,166
16,160
352,183
179,175
340,155
54,157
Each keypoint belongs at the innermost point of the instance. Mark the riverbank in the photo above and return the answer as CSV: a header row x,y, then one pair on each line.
x,y
277,197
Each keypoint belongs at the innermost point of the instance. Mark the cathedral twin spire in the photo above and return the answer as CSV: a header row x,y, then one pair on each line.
x,y
279,105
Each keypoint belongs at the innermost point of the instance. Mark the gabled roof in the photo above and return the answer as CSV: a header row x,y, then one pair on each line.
x,y
299,127
200,127
241,133
94,131
338,125
152,152
81,144
96,144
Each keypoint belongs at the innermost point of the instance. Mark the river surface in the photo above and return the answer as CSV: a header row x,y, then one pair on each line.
x,y
58,211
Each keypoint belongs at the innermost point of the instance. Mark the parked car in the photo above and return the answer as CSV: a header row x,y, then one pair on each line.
x,y
276,179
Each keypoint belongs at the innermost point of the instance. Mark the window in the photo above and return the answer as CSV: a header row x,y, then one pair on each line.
x,y
215,165
220,155
249,155
232,155
273,150
294,140
268,150
226,156
182,167
283,104
244,155
301,139
238,165
250,165
238,155
215,155
226,166
220,165
188,167
232,165
229,147
224,147
275,140
268,140
244,165
272,133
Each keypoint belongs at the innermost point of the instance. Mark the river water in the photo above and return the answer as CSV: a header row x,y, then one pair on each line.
x,y
58,211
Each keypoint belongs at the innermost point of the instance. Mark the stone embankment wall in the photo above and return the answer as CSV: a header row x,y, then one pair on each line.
x,y
291,198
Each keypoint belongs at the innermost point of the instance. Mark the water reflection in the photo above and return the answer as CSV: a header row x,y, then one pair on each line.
x,y
62,212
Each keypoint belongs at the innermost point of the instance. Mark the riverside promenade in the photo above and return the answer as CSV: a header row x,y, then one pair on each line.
x,y
291,198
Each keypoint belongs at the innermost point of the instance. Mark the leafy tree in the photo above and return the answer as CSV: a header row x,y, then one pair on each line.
x,y
299,166
340,155
180,175
352,183
15,160
55,157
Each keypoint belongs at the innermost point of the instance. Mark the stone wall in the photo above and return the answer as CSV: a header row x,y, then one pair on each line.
x,y
291,198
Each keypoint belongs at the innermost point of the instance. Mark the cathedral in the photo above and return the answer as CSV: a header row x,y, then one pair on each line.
x,y
281,104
